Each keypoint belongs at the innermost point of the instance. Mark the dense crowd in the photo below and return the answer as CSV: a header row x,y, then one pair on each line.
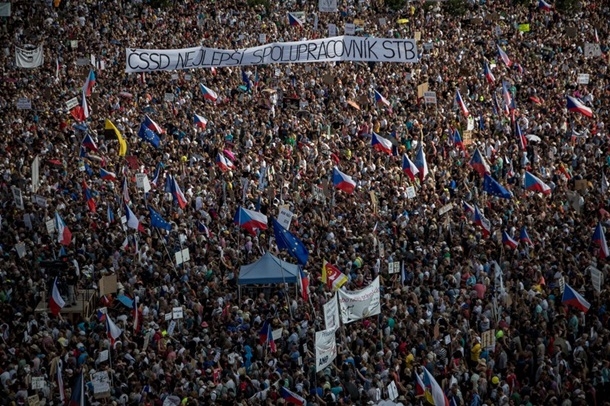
x,y
485,319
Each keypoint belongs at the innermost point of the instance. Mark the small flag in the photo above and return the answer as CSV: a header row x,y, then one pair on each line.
x,y
291,397
461,104
488,74
250,220
509,241
534,183
599,238
89,142
101,314
576,106
409,167
482,222
457,139
380,99
200,121
125,190
88,197
494,188
421,162
208,93
132,219
294,21
572,298
343,182
107,175
89,83
381,144
56,302
544,6
64,235
479,163
521,137
504,57
177,193
304,284
525,238
224,163
112,331
468,208
110,215
332,276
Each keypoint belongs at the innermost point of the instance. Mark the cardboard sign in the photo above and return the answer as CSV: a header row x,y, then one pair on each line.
x,y
392,391
524,27
188,77
171,328
488,340
428,46
285,217
583,78
23,103
102,356
383,22
174,76
167,317
33,400
327,6
262,38
421,89
108,284
417,36
177,313
580,184
82,61
430,97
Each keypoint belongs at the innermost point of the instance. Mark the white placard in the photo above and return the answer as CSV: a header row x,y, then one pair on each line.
x,y
27,220
360,304
596,278
23,103
344,48
35,174
174,76
102,356
20,248
392,391
171,328
446,208
17,197
410,192
177,313
583,78
183,256
277,334
168,316
29,56
332,30
470,125
349,29
262,38
562,284
93,61
430,97
50,226
592,50
428,46
326,348
285,217
40,200
169,97
188,77
327,6
393,267
38,382
382,22
331,313
70,104
142,182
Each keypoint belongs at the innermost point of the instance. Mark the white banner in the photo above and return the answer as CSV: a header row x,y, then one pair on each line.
x,y
29,57
359,304
596,278
331,313
328,6
344,48
326,348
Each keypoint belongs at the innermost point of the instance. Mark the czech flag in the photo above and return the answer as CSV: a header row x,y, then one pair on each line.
x,y
572,298
468,208
488,75
89,83
89,143
177,193
522,139
438,396
421,163
294,21
479,163
266,336
544,6
504,57
599,238
457,139
577,106
525,238
132,220
461,104
509,241
343,182
88,197
250,220
101,314
112,330
304,284
109,215
107,175
535,184
64,235
200,121
379,99
381,144
508,98
208,93
56,302
78,392
409,167
291,397
151,125
224,163
482,222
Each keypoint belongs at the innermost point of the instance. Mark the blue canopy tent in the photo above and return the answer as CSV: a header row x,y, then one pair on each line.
x,y
269,269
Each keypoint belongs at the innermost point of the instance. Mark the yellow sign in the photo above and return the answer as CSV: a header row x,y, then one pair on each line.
x,y
358,22
402,20
524,27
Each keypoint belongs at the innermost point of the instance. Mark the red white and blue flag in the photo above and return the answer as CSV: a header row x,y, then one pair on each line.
x,y
291,397
107,175
132,219
479,163
457,139
88,142
534,183
200,121
64,235
572,298
521,137
151,125
177,193
504,57
89,83
343,181
250,220
409,167
381,144
509,241
112,330
599,239
488,74
224,163
543,5
525,238
88,197
461,104
421,162
294,21
304,284
576,106
208,93
468,208
56,302
380,99
481,221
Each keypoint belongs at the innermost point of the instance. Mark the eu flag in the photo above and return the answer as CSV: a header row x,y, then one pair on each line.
x,y
491,186
157,221
149,135
287,241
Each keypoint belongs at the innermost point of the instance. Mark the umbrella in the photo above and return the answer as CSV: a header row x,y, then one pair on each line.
x,y
229,154
533,138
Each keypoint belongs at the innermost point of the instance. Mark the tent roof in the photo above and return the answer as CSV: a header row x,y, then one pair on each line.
x,y
269,269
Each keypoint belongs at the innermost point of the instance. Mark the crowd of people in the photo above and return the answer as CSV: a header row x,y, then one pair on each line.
x,y
485,318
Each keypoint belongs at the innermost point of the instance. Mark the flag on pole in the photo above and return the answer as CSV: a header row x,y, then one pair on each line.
x,y
421,163
112,331
504,57
132,219
157,221
409,168
599,239
64,235
509,241
572,298
56,302
332,276
435,389
304,284
294,21
88,197
461,104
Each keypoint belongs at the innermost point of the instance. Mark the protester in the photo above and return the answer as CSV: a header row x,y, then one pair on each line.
x,y
501,300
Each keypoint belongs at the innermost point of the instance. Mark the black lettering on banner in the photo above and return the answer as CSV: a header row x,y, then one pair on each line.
x,y
200,59
133,58
310,49
302,50
266,54
276,53
322,50
409,49
341,51
258,55
369,47
387,45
